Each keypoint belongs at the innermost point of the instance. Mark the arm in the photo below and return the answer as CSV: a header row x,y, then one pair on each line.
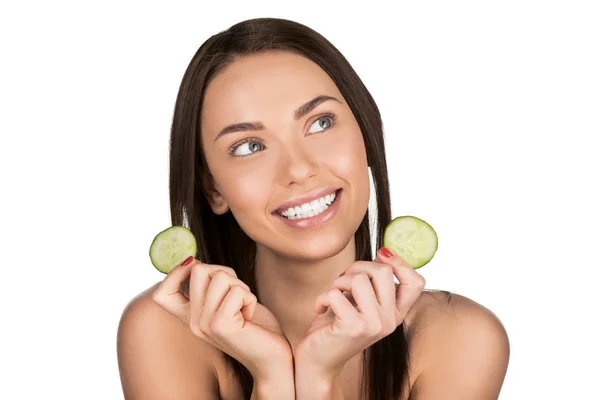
x,y
158,361
465,353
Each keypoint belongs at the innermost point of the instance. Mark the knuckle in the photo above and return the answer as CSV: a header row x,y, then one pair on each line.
x,y
359,329
237,290
216,327
356,265
375,328
386,271
204,328
195,328
219,274
421,281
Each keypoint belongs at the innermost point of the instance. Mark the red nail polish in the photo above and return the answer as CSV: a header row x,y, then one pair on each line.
x,y
187,261
386,252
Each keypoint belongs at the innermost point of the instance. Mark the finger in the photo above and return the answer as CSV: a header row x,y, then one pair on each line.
x,y
199,281
339,305
361,288
220,284
320,309
366,302
411,284
382,279
168,289
237,300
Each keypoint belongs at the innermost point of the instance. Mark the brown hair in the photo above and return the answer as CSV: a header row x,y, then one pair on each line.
x,y
386,362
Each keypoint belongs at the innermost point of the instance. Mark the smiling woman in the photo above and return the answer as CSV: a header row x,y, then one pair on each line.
x,y
276,131
273,139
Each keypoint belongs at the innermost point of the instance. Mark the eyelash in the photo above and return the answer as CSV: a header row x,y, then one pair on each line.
x,y
234,147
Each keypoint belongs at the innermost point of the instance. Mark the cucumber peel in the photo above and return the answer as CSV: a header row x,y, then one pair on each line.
x,y
171,246
413,239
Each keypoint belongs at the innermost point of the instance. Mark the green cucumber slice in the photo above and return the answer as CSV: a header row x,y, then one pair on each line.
x,y
413,239
171,246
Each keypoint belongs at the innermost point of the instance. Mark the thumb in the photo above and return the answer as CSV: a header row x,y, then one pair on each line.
x,y
248,310
248,304
387,256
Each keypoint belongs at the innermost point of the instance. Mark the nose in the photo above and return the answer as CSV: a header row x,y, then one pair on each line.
x,y
298,164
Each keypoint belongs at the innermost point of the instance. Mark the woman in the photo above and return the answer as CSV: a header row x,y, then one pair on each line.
x,y
270,116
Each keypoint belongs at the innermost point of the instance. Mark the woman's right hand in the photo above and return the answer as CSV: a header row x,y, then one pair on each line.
x,y
222,310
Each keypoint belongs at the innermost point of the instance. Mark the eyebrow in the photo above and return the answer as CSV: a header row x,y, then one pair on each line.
x,y
255,126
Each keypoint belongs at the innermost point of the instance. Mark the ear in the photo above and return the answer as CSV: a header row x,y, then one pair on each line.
x,y
213,196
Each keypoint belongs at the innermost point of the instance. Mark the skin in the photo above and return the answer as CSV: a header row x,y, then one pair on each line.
x,y
458,350
268,88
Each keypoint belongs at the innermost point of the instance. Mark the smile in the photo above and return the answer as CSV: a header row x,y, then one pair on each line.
x,y
311,215
308,210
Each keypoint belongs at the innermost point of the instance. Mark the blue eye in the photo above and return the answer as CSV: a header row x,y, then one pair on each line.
x,y
252,144
323,123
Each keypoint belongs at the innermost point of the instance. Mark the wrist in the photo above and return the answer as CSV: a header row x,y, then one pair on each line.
x,y
275,384
316,385
273,391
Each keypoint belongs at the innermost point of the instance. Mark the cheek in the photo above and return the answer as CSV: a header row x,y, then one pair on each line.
x,y
246,187
348,157
248,191
349,161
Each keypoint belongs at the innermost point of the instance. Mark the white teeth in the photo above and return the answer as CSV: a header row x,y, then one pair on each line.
x,y
308,210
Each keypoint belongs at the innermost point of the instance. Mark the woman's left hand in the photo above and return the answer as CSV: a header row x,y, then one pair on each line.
x,y
364,306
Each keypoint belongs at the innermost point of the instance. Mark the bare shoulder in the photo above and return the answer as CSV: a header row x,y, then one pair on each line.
x,y
160,358
459,348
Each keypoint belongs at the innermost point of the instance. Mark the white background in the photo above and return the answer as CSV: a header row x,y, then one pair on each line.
x,y
491,113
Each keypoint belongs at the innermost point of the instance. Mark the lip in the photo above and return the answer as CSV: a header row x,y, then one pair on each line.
x,y
316,221
307,198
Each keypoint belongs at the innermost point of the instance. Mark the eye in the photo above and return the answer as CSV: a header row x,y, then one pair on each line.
x,y
323,123
248,146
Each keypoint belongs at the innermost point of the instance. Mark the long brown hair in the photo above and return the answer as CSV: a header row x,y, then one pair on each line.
x,y
386,363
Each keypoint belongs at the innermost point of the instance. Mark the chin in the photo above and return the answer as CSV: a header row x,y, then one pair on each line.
x,y
318,248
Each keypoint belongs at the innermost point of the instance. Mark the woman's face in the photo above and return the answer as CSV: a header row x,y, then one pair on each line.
x,y
280,154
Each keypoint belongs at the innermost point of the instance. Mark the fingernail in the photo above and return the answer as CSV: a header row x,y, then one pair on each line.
x,y
187,261
384,251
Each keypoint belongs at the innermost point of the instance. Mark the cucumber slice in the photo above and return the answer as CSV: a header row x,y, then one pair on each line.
x,y
412,239
171,246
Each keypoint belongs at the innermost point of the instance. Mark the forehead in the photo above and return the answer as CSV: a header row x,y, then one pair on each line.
x,y
259,86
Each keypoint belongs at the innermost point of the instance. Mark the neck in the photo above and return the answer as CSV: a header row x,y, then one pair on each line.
x,y
289,287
